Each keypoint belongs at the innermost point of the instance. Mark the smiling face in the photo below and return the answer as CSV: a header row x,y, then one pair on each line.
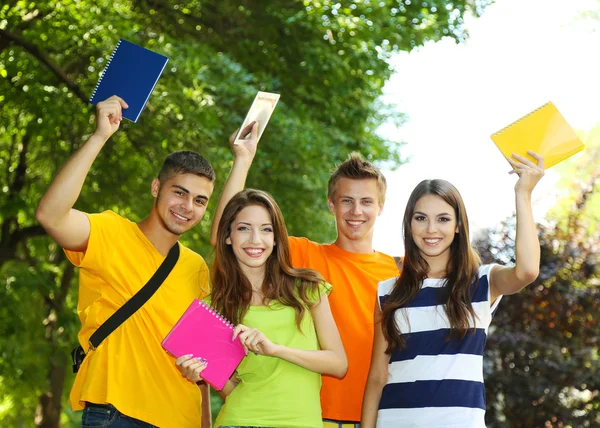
x,y
181,201
434,226
252,239
356,207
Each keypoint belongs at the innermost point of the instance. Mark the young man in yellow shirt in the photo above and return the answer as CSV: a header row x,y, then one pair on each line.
x,y
356,195
129,380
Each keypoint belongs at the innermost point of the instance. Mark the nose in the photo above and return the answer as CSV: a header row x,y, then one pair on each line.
x,y
356,208
431,226
187,204
255,236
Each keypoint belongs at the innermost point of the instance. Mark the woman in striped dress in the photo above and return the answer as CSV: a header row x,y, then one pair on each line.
x,y
432,321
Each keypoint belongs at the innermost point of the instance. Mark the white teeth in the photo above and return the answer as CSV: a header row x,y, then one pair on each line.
x,y
180,217
433,241
252,251
354,223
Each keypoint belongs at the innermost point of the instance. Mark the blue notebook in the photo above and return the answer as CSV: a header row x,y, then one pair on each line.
x,y
131,73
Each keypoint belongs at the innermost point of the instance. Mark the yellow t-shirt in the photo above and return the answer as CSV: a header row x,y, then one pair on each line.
x,y
130,370
354,278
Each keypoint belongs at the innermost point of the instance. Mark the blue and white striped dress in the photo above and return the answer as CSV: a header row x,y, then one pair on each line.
x,y
434,382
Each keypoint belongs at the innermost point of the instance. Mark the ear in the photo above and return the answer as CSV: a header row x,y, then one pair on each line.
x,y
155,188
228,241
331,206
380,210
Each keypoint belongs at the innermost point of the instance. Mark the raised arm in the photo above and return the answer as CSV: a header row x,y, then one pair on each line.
x,y
330,359
243,153
69,227
510,280
378,375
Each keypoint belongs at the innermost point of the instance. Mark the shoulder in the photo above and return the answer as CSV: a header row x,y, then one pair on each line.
x,y
385,287
107,217
192,257
300,242
484,270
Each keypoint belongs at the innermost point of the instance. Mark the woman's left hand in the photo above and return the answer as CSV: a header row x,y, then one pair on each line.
x,y
529,172
253,340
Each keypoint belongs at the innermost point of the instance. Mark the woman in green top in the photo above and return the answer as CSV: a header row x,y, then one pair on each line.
x,y
282,316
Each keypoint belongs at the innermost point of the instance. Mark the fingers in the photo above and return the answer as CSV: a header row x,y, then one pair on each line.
x,y
248,129
232,136
254,135
237,330
120,100
190,367
522,164
538,158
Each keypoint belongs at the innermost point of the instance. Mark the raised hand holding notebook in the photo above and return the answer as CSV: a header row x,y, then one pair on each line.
x,y
131,73
201,331
543,131
260,111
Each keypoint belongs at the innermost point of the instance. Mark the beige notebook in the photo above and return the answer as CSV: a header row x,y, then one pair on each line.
x,y
261,110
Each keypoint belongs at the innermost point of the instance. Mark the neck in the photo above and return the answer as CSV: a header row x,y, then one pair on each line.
x,y
438,266
256,276
160,237
358,246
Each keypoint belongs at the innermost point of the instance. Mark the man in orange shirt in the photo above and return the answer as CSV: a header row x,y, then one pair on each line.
x,y
356,195
129,380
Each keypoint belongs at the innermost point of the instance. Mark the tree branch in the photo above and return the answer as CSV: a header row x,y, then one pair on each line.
x,y
45,59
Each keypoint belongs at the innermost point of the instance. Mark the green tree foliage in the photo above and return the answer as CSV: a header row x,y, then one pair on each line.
x,y
327,59
543,367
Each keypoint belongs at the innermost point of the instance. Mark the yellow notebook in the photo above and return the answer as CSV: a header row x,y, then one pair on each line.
x,y
544,131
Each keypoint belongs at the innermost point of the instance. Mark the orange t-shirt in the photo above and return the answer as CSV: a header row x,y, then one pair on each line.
x,y
129,369
354,278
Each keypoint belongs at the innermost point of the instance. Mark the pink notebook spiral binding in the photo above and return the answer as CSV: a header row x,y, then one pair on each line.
x,y
203,332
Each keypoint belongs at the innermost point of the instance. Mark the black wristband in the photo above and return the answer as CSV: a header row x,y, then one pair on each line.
x,y
201,382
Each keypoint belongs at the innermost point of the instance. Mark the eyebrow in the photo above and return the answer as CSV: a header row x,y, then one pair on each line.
x,y
422,213
249,224
352,197
183,189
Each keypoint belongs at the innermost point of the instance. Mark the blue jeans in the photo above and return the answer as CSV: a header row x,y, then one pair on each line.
x,y
107,415
330,423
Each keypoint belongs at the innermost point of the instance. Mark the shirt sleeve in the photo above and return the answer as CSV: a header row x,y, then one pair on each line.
x,y
104,228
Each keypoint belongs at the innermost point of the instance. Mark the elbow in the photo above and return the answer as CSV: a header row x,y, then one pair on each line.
x,y
527,276
41,216
341,368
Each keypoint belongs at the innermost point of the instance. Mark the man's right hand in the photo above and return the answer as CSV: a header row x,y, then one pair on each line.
x,y
108,116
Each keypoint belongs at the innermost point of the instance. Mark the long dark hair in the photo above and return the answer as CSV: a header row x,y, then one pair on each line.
x,y
460,272
231,290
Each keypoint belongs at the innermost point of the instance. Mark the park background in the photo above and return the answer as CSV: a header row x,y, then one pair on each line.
x,y
416,86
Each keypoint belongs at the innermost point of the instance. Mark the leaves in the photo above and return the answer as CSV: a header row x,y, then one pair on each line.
x,y
327,59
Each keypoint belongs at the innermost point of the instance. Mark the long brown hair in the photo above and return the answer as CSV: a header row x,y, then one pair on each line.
x,y
460,272
231,290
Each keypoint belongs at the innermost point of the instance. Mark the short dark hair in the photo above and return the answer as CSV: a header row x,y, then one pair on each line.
x,y
357,168
186,162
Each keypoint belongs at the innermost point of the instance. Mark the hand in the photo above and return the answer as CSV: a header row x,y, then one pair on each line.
x,y
253,340
191,367
109,116
246,148
529,173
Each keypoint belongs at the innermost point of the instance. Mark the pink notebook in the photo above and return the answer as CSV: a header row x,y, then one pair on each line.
x,y
201,331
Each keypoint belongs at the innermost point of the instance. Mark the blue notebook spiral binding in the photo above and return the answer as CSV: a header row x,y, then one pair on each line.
x,y
131,73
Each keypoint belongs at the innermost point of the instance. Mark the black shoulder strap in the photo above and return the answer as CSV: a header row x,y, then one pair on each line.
x,y
138,299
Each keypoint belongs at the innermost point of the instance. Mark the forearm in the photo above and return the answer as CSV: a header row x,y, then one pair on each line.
x,y
229,386
527,244
370,403
66,186
235,183
322,361
206,413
